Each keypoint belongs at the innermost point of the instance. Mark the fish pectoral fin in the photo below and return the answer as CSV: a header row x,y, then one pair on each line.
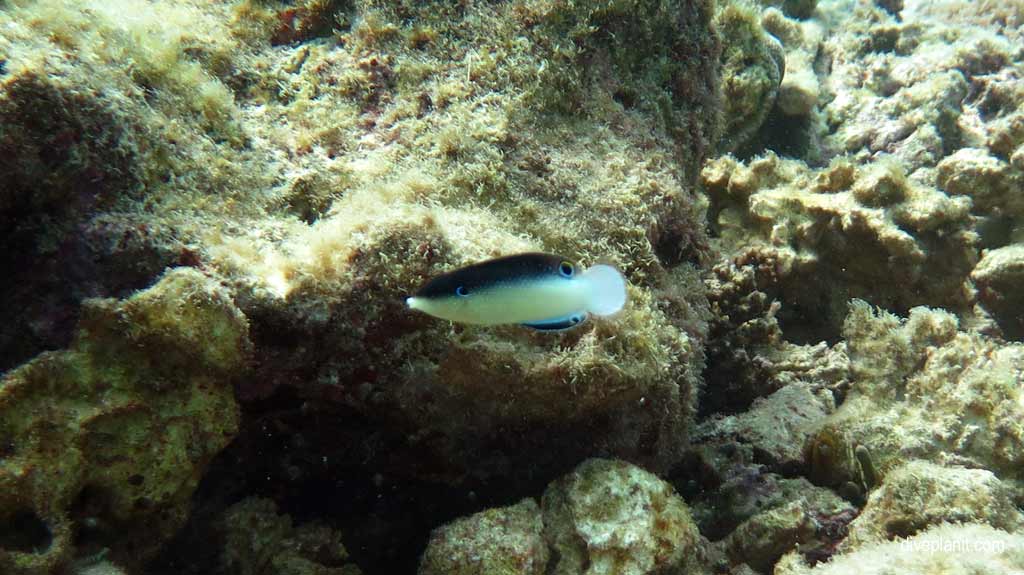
x,y
560,323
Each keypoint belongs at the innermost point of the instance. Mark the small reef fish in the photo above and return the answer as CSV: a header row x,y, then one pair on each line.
x,y
538,290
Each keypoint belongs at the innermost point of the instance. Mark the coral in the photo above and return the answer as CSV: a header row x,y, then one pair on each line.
x,y
502,541
918,495
922,389
998,277
747,354
819,237
969,548
105,442
611,517
259,540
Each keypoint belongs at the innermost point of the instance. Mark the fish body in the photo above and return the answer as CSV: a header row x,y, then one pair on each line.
x,y
539,290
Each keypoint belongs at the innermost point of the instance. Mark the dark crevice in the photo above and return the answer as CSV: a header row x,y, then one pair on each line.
x,y
25,532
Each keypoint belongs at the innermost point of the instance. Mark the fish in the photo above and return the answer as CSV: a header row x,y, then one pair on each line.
x,y
543,291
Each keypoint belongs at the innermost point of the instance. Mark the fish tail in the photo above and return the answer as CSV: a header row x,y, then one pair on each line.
x,y
606,289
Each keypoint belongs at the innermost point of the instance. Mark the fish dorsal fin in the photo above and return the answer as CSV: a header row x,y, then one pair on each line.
x,y
560,323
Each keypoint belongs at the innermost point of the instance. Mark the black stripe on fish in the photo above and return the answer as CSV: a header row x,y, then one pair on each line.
x,y
490,273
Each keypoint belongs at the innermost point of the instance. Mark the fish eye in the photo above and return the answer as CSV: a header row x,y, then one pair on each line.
x,y
461,291
566,269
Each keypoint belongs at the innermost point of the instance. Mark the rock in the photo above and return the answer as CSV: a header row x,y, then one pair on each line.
x,y
100,108
505,540
746,492
761,540
918,495
775,427
992,184
134,411
912,382
258,539
611,517
799,91
969,548
998,277
748,357
753,66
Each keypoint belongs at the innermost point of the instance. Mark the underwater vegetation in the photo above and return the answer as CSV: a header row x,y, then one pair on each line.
x,y
783,333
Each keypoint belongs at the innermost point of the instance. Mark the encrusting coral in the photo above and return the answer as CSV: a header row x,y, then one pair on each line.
x,y
104,443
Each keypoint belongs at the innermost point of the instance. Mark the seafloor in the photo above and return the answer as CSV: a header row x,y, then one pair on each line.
x,y
211,212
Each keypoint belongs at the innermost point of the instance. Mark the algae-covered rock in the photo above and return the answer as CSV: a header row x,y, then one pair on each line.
x,y
612,517
505,541
775,427
970,548
761,540
605,517
326,158
918,495
753,65
104,443
794,8
992,184
490,135
747,491
94,567
922,389
323,159
258,539
998,277
111,116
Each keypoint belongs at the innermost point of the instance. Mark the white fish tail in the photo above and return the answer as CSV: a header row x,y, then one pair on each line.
x,y
606,289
